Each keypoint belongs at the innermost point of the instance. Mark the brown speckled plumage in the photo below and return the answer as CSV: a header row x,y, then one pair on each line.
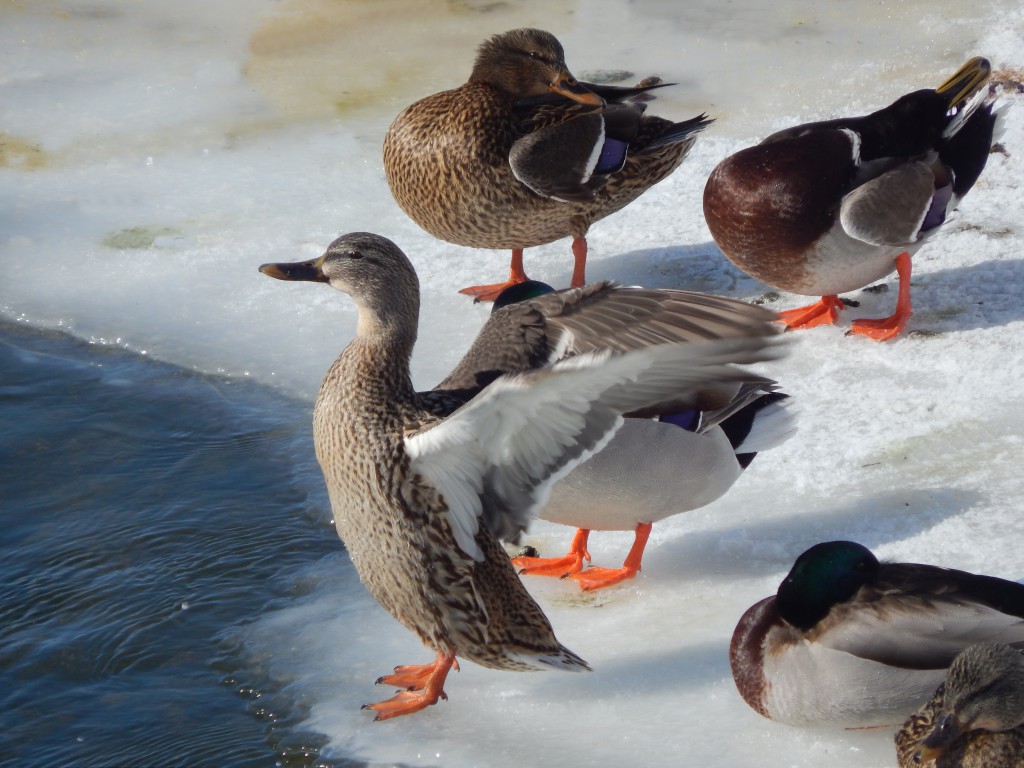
x,y
392,523
421,495
447,160
998,667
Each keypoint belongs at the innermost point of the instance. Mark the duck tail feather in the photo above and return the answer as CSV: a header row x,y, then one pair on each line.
x,y
765,423
680,131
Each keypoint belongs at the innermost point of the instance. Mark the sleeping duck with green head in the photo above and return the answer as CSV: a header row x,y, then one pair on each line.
x,y
853,642
830,207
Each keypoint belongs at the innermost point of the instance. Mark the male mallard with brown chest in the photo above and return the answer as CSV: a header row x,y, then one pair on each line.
x,y
524,154
829,207
850,641
423,485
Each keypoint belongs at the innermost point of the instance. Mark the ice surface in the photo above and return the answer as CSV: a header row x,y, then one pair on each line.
x,y
153,155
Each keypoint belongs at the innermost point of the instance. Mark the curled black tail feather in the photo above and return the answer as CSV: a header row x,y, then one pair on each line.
x,y
680,131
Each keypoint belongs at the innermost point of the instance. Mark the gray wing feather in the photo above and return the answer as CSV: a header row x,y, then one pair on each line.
x,y
497,458
600,316
890,208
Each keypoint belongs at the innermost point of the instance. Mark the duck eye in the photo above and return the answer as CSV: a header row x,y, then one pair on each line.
x,y
354,255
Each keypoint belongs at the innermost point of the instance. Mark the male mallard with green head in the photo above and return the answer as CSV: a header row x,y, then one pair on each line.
x,y
423,485
830,207
672,458
524,154
850,641
976,717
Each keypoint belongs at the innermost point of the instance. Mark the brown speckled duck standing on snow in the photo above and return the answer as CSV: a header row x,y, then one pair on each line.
x,y
524,154
421,495
976,717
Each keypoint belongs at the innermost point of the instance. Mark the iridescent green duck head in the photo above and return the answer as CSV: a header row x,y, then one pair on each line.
x,y
825,575
524,291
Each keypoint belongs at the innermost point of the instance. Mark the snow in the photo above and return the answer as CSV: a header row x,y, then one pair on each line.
x,y
152,156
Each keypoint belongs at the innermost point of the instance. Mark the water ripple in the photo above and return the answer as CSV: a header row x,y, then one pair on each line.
x,y
146,512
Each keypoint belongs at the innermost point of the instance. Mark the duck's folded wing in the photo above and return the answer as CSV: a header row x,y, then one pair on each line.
x,y
746,394
559,160
890,209
920,632
495,459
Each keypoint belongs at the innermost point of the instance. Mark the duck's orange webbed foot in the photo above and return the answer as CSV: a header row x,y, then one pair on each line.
x,y
886,328
823,312
882,329
516,275
424,685
404,703
559,567
599,578
413,677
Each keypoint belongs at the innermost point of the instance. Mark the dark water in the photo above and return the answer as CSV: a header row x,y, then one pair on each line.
x,y
146,513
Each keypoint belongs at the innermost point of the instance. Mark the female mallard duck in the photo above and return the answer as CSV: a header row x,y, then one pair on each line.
x,y
853,642
663,462
976,717
830,207
421,492
524,154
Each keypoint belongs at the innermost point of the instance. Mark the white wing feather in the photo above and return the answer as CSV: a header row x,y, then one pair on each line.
x,y
497,458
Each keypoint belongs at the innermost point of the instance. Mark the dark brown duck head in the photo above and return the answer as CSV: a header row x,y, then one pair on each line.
x,y
528,63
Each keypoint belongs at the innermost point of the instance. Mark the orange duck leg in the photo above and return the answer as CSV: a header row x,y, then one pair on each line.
x,y
516,274
560,567
889,327
823,312
423,684
599,578
579,262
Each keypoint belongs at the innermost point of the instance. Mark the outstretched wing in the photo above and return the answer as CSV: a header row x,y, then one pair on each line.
x,y
535,333
496,458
